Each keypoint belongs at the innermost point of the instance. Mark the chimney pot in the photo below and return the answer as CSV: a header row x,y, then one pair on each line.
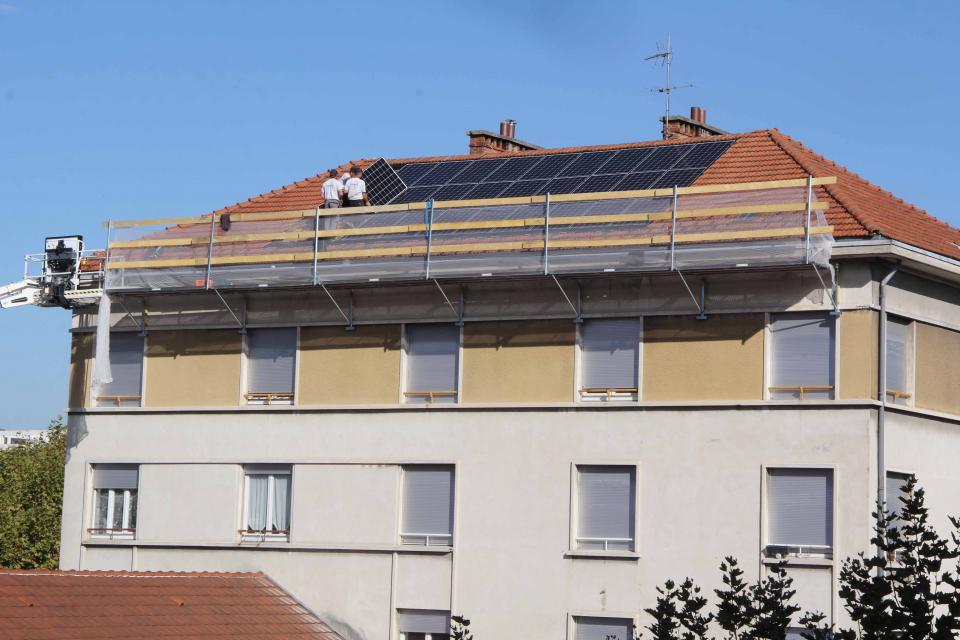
x,y
698,114
508,128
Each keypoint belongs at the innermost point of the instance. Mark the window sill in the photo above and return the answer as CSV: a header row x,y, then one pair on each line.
x,y
601,555
269,546
798,561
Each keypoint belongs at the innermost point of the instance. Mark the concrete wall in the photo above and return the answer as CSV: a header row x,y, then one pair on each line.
x,y
699,480
350,367
937,368
81,361
857,352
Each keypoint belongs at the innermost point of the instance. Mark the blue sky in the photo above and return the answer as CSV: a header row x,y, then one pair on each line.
x,y
137,109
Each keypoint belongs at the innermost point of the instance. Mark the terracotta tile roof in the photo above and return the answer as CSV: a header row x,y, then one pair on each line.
x,y
857,207
68,605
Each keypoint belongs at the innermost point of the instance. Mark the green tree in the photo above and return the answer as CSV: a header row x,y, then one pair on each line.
x,y
31,499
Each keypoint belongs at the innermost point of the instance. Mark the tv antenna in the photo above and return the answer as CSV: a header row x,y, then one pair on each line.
x,y
665,56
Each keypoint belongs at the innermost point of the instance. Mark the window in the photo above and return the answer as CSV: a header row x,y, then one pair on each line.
x,y
266,513
427,505
126,369
114,501
595,628
423,624
898,383
610,359
896,485
800,512
271,360
433,351
802,364
606,505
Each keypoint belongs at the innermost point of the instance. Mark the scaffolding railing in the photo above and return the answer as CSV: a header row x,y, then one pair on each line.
x,y
703,227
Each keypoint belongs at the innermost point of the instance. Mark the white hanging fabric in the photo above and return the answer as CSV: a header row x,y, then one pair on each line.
x,y
101,358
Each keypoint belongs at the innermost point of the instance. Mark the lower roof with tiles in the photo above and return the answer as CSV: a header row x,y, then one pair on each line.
x,y
69,605
857,208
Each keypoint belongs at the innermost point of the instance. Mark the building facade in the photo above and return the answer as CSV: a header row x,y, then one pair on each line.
x,y
535,451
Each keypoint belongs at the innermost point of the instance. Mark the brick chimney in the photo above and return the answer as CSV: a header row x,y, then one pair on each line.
x,y
482,141
693,127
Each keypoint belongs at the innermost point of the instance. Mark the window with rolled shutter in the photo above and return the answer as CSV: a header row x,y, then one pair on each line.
x,y
800,511
271,362
802,356
415,624
427,505
897,364
598,628
433,352
606,505
114,500
126,369
610,358
896,484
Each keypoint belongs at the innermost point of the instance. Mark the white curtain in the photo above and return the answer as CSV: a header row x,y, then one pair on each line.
x,y
281,503
101,361
257,503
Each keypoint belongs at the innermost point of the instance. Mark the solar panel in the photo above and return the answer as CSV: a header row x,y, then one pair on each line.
x,y
661,166
383,183
587,163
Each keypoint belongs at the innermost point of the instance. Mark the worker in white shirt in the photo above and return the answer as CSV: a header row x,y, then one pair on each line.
x,y
333,190
356,189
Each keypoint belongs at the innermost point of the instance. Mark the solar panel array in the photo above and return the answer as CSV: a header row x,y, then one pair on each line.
x,y
383,183
588,172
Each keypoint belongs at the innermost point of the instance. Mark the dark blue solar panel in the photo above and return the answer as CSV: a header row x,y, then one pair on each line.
x,y
677,178
634,181
410,173
587,163
513,169
550,167
487,190
415,194
452,191
523,188
442,172
597,184
563,185
383,183
478,170
663,158
702,155
625,160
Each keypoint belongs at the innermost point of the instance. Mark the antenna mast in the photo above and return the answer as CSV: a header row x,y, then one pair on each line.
x,y
665,56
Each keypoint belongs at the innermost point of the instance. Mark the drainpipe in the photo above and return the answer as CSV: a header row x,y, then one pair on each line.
x,y
881,431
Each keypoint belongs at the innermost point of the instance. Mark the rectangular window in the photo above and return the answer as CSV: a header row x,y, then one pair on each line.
x,y
423,624
271,361
802,356
898,382
114,500
266,513
800,512
427,505
597,628
896,485
606,506
610,359
433,353
126,369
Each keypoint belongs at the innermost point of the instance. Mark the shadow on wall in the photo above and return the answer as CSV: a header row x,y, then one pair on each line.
x,y
76,433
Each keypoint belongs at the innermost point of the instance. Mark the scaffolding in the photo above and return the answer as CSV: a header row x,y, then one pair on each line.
x,y
758,224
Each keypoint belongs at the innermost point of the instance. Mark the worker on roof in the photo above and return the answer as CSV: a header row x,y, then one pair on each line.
x,y
333,190
356,189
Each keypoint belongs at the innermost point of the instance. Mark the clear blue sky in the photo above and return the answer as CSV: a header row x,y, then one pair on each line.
x,y
130,109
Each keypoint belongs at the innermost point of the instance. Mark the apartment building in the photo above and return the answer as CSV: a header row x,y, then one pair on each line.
x,y
527,385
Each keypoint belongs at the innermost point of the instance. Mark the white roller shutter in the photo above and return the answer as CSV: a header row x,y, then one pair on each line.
x,y
606,504
428,503
800,505
897,331
802,354
271,357
432,353
589,628
423,621
610,352
895,485
115,476
126,366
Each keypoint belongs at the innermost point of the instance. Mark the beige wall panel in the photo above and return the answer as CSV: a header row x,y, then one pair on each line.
x,y
527,361
350,367
193,368
720,358
938,368
81,358
857,351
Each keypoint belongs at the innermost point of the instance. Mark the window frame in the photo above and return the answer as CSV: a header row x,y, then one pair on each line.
x,y
125,532
271,471
769,355
573,616
573,549
615,396
404,396
95,401
427,636
909,365
401,509
799,557
252,398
